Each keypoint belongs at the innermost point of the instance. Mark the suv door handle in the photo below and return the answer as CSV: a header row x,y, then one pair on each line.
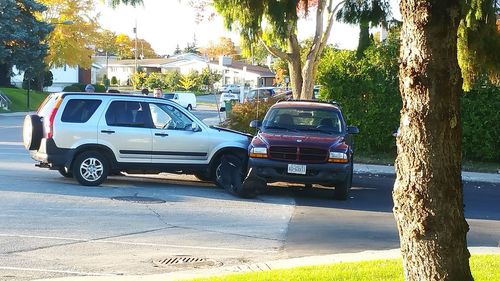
x,y
107,131
161,134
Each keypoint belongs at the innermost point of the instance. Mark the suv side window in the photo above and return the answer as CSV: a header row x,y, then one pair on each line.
x,y
126,114
169,117
79,110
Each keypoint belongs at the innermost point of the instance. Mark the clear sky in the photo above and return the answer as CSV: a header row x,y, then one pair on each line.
x,y
166,23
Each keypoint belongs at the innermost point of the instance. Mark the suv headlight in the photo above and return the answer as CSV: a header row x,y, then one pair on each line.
x,y
258,152
337,157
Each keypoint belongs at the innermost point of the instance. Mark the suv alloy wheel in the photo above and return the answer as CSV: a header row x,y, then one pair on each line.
x,y
90,168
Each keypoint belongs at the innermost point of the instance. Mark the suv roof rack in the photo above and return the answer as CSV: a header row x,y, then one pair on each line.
x,y
333,102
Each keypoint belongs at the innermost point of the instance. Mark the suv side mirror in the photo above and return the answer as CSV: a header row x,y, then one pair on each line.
x,y
352,130
255,124
195,127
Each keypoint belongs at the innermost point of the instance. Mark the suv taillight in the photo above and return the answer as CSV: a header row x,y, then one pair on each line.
x,y
49,127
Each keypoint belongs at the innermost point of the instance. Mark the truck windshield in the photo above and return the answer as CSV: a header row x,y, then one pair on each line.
x,y
304,119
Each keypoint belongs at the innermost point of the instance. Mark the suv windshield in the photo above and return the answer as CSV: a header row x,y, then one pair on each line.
x,y
304,119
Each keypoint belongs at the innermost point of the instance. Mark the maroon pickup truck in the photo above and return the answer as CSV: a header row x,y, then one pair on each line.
x,y
304,142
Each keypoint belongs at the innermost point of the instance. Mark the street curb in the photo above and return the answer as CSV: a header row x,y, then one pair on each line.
x,y
389,170
16,114
264,266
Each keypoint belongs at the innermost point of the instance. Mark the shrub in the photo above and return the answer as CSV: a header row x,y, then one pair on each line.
x,y
114,81
154,80
243,113
481,124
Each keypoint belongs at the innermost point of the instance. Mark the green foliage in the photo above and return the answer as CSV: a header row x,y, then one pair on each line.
x,y
154,80
243,113
171,79
190,81
368,91
79,87
483,267
35,84
478,42
18,98
137,79
481,123
22,37
208,77
114,81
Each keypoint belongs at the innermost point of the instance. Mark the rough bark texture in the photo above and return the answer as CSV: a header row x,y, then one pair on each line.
x,y
363,40
428,198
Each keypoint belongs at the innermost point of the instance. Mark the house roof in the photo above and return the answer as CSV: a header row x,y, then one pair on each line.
x,y
143,62
257,69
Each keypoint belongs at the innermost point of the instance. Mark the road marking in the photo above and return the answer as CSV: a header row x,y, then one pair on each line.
x,y
10,127
136,243
55,271
10,143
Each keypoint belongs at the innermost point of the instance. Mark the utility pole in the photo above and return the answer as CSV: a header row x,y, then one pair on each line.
x,y
135,49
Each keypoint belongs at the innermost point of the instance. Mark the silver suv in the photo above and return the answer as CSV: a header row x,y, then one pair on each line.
x,y
90,136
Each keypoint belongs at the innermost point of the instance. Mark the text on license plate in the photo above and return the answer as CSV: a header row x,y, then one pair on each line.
x,y
296,169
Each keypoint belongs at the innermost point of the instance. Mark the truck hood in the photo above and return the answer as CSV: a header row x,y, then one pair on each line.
x,y
299,139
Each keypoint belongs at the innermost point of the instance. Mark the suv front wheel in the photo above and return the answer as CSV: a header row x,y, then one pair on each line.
x,y
90,168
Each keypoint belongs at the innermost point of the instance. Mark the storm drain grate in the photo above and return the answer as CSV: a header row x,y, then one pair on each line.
x,y
184,261
139,199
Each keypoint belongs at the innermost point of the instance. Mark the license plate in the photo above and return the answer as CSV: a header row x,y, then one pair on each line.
x,y
296,169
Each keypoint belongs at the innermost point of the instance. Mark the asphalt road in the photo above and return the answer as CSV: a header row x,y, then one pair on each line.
x,y
50,226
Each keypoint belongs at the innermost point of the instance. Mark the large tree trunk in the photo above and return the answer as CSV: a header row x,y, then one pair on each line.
x,y
364,39
5,75
428,197
295,65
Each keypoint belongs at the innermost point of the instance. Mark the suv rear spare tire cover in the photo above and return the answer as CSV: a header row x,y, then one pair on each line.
x,y
32,132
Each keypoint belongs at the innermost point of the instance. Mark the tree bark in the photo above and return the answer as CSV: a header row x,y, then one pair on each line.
x,y
428,195
295,66
363,40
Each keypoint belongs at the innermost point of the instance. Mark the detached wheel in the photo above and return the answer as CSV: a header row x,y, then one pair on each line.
x,y
342,189
90,168
229,175
32,132
65,174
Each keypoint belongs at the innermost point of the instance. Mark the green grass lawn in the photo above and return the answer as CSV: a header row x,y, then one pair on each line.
x,y
18,98
484,267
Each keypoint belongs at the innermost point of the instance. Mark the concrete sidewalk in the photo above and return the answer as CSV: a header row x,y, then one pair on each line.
x,y
264,266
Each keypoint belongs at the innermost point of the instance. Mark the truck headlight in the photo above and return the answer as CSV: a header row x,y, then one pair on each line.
x,y
258,152
337,157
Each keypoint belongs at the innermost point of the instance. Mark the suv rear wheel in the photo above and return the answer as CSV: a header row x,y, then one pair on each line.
x,y
90,168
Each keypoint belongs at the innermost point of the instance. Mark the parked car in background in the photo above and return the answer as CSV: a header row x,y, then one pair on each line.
x,y
187,100
91,136
306,142
260,93
230,88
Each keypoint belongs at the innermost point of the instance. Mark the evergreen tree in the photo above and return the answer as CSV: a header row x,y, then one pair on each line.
x,y
21,37
366,14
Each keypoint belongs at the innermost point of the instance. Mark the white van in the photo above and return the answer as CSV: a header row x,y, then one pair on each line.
x,y
187,100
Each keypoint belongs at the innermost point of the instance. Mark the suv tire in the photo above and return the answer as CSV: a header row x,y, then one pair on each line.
x,y
342,189
32,132
229,175
90,168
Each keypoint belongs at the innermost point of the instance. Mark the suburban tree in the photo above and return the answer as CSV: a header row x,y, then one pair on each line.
x,y
125,48
280,20
71,41
366,14
224,47
22,37
428,194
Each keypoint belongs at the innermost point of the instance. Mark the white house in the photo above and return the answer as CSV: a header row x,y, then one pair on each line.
x,y
122,70
63,76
